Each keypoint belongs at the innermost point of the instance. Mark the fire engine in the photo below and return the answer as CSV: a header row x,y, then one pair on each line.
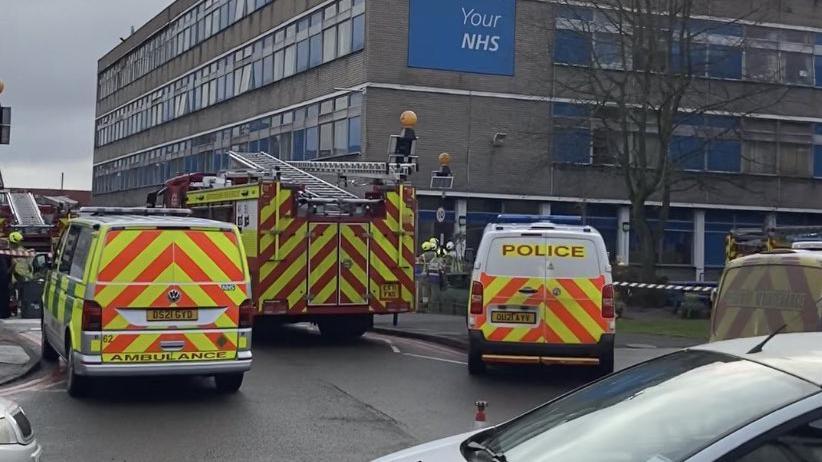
x,y
318,251
746,241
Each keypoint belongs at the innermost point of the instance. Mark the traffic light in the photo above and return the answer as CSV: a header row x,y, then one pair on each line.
x,y
5,124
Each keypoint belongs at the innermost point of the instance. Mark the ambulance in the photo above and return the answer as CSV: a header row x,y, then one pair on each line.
x,y
138,291
541,293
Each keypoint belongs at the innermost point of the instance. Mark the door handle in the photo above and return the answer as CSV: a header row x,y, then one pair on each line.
x,y
170,345
528,290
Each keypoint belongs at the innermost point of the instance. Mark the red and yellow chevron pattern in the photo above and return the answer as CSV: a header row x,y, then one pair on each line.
x,y
147,347
569,311
353,252
392,251
323,261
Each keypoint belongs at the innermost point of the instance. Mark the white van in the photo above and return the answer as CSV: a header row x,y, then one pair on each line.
x,y
541,293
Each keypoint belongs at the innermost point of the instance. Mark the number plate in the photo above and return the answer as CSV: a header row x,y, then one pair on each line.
x,y
513,317
171,315
390,291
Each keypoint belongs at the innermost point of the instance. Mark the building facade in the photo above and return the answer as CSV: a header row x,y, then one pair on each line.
x,y
312,79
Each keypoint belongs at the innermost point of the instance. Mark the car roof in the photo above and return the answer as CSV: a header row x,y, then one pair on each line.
x,y
802,257
138,221
798,354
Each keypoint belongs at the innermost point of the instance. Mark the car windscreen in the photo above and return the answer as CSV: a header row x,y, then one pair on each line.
x,y
663,410
537,256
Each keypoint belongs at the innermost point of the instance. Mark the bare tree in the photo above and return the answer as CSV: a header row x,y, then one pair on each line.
x,y
645,77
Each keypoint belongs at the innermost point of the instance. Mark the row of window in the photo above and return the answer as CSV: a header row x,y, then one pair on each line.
x,y
728,51
700,143
675,247
328,34
326,129
198,24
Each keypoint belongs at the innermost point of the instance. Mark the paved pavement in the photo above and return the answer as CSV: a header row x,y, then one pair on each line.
x,y
451,330
306,399
19,351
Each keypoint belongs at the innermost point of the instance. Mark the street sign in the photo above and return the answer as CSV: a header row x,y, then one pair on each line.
x,y
440,215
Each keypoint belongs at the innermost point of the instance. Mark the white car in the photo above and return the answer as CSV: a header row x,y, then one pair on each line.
x,y
17,443
750,400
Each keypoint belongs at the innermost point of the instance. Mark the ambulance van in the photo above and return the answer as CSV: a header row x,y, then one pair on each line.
x,y
760,294
541,293
135,292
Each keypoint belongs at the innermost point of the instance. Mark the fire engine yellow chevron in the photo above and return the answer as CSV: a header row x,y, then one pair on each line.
x,y
323,259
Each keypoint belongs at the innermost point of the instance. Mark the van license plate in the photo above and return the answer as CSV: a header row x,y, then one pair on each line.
x,y
171,315
390,291
513,317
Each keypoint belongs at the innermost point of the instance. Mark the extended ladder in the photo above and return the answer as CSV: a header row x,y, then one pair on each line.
x,y
314,187
24,209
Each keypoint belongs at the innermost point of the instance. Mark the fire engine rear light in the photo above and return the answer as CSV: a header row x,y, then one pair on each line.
x,y
92,316
246,315
608,309
476,297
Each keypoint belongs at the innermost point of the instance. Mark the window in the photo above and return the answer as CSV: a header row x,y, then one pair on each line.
x,y
798,68
326,139
724,156
290,61
762,65
800,443
257,75
268,69
329,44
344,38
341,137
572,47
354,135
278,65
724,62
298,149
794,159
302,55
818,69
358,41
759,157
572,145
316,50
688,152
817,161
67,254
607,51
311,143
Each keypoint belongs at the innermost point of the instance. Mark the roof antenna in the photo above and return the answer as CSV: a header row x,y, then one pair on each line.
x,y
758,348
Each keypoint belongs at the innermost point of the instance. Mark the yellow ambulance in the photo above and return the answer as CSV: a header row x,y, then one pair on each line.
x,y
541,293
136,291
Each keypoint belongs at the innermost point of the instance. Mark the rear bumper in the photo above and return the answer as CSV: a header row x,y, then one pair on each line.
x,y
92,366
546,353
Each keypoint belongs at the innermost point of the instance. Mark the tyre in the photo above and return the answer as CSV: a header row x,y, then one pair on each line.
x,y
77,385
228,383
345,328
606,362
47,352
476,366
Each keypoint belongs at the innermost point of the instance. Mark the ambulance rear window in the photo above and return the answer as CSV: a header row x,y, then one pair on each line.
x,y
554,257
170,256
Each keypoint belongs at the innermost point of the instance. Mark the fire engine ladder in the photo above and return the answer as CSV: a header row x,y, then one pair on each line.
x,y
25,209
314,187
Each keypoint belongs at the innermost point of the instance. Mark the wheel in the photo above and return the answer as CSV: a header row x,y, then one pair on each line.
x,y
47,352
228,383
476,366
606,362
77,385
345,328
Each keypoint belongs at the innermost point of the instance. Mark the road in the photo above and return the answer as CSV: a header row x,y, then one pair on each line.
x,y
305,400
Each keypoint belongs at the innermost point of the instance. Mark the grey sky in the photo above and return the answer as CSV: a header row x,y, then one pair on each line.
x,y
48,61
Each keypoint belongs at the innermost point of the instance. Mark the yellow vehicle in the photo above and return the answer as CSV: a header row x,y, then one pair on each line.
x,y
748,241
760,294
541,293
137,292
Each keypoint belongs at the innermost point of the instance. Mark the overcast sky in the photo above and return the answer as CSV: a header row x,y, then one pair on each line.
x,y
48,61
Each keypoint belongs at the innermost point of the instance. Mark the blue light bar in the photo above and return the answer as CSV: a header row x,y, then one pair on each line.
x,y
557,219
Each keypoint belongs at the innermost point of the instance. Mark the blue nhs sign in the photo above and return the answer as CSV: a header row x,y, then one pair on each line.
x,y
462,35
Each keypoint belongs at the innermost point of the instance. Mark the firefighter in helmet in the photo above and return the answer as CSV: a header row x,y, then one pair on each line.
x,y
21,264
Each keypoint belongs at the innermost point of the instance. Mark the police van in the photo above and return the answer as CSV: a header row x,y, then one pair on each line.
x,y
137,291
541,293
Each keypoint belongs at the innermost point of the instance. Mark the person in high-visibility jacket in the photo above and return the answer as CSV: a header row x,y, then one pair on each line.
x,y
21,266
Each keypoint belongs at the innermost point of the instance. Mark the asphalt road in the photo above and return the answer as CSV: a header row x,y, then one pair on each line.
x,y
305,400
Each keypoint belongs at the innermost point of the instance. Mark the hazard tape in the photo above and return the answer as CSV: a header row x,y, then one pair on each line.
x,y
640,285
17,253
